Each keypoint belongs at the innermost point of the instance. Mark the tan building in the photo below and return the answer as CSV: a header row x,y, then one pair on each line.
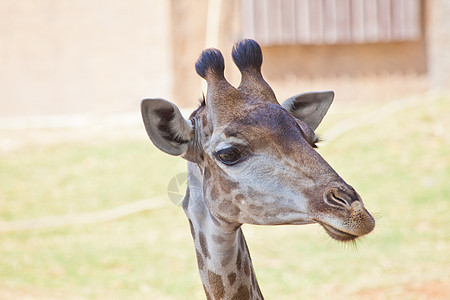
x,y
82,57
78,57
365,50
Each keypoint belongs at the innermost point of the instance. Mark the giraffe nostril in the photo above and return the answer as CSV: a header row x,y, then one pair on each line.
x,y
336,197
342,201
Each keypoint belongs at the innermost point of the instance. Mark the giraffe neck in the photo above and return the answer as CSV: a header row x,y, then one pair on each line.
x,y
223,258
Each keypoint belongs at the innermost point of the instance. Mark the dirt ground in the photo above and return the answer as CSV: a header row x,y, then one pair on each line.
x,y
32,293
435,290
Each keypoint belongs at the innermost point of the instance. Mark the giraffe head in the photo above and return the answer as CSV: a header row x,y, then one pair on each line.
x,y
256,156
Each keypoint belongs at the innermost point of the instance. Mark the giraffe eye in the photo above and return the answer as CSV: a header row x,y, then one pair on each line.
x,y
229,156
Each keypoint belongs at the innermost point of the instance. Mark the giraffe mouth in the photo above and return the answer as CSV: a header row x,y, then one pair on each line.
x,y
338,234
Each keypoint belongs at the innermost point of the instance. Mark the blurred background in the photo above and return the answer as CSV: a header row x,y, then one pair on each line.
x,y
84,210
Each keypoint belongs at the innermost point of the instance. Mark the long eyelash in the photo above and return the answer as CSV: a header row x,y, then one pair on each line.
x,y
319,140
202,100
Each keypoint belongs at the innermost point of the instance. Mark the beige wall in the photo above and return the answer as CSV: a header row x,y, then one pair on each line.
x,y
438,30
357,72
65,57
189,39
82,56
379,69
345,60
364,72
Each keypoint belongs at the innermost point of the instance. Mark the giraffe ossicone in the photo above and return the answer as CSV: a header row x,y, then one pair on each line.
x,y
251,160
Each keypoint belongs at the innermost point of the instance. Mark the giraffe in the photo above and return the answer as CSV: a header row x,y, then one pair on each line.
x,y
250,160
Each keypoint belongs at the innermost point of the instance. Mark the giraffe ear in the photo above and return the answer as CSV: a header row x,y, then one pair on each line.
x,y
309,107
167,128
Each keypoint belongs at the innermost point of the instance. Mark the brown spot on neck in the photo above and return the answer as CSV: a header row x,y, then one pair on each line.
x,y
203,245
216,285
200,262
238,260
208,297
242,293
247,267
232,278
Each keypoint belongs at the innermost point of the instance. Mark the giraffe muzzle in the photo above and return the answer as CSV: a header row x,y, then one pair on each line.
x,y
346,217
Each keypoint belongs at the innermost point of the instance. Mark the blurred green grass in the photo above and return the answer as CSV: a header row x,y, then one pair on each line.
x,y
72,178
400,166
